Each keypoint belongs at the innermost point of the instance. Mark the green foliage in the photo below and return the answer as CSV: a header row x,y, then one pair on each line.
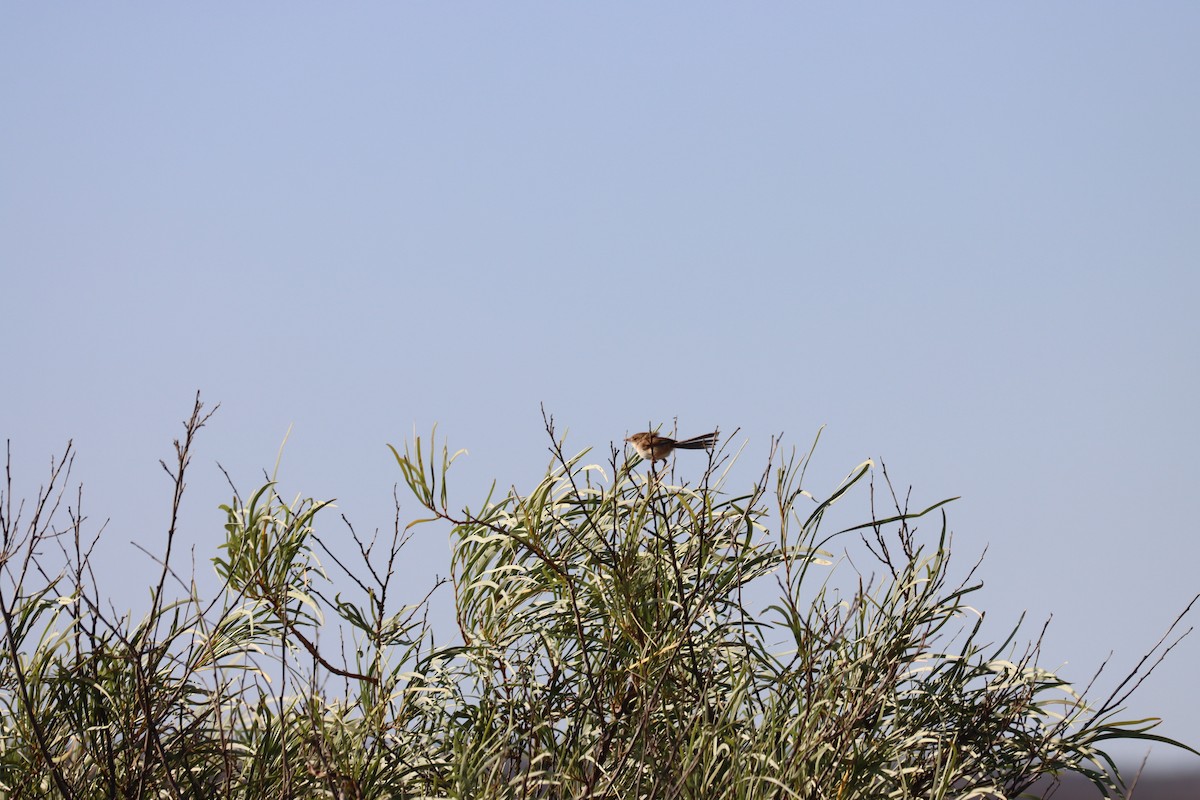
x,y
620,635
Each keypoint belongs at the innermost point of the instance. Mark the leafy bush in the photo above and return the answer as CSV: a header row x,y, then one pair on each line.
x,y
607,647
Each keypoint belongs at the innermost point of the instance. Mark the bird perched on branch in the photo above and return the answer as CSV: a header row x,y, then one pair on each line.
x,y
656,448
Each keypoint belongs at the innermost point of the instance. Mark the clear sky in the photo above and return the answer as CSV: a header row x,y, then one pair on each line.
x,y
963,237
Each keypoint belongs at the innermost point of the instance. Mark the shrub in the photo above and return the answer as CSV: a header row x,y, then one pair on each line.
x,y
608,646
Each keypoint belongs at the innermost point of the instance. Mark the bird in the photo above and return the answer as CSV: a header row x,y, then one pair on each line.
x,y
656,448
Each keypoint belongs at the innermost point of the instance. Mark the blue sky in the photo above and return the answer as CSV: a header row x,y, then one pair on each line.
x,y
962,237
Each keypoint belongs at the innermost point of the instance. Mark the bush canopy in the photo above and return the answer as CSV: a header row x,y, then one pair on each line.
x,y
620,634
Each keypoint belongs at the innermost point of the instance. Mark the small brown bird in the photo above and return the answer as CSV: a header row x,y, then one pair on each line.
x,y
657,448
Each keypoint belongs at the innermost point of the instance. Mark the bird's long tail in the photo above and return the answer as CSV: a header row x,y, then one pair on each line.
x,y
705,442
